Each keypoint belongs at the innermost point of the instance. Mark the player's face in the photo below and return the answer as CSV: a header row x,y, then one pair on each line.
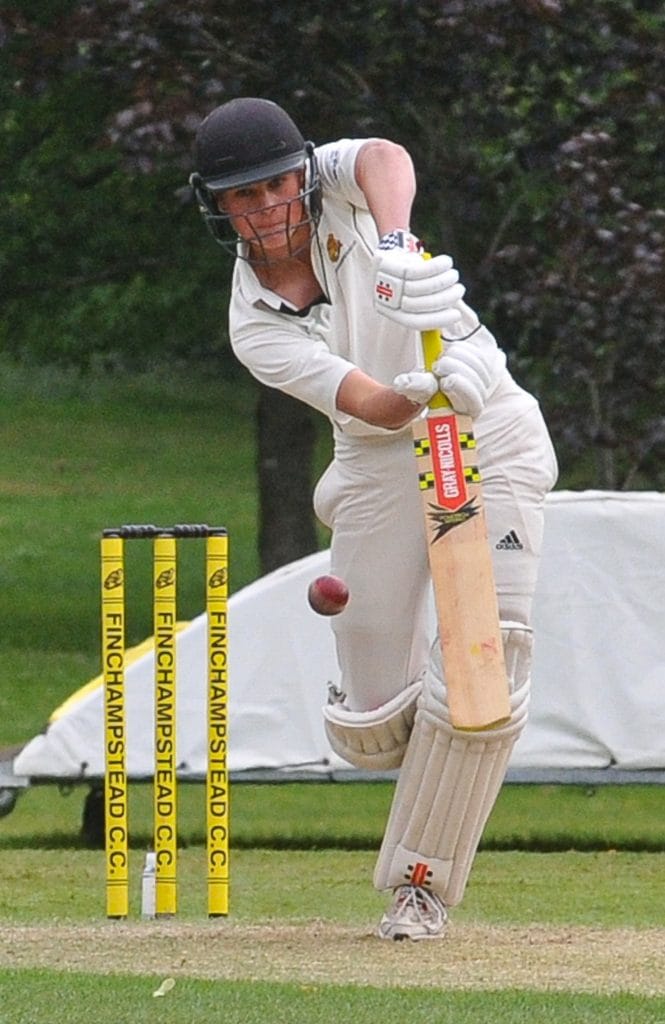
x,y
269,215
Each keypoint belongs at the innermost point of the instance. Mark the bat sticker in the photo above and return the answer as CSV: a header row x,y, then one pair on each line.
x,y
446,520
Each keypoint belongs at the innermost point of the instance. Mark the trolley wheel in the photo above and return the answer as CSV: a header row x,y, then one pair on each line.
x,y
8,798
92,823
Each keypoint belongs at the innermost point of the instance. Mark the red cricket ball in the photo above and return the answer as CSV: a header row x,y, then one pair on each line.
x,y
328,595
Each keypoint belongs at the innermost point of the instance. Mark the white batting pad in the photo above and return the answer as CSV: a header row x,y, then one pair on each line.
x,y
377,739
448,784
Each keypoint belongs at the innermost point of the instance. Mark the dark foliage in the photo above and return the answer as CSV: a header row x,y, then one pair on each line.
x,y
537,128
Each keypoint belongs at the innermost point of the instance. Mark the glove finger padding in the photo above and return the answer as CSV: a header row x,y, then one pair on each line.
x,y
417,293
460,353
410,265
466,375
463,394
419,299
418,386
430,284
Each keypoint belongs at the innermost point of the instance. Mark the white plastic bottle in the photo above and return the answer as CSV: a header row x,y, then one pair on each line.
x,y
148,885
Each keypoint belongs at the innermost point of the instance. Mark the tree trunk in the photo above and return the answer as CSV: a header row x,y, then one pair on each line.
x,y
286,437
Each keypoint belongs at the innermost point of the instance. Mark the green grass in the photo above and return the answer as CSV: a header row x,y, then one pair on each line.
x,y
352,816
48,997
76,455
45,894
608,890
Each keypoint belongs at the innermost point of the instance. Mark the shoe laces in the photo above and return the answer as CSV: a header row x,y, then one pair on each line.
x,y
415,902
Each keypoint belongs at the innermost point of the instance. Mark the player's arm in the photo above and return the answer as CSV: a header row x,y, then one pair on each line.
x,y
464,377
384,172
363,397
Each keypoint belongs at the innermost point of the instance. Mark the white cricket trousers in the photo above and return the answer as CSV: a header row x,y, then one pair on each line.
x,y
369,498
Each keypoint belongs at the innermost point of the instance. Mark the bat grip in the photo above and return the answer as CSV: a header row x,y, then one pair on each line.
x,y
432,342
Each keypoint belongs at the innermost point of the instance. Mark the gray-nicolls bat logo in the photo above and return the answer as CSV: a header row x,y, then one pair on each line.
x,y
446,520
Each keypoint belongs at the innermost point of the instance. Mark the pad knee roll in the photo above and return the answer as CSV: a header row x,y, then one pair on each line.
x,y
448,785
377,739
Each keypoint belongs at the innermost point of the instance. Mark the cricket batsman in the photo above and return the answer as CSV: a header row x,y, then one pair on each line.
x,y
330,295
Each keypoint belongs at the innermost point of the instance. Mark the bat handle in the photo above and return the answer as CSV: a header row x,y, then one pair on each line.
x,y
432,342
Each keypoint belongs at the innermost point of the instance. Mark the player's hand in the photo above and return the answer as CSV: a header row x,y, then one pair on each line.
x,y
416,293
467,375
417,385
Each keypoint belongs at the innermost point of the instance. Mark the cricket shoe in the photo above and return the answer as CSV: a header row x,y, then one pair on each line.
x,y
415,913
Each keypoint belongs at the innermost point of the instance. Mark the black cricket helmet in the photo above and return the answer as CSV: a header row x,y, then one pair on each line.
x,y
244,141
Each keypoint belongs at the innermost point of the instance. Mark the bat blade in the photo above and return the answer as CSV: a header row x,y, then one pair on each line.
x,y
460,564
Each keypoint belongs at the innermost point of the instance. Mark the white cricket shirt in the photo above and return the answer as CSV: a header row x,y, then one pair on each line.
x,y
308,355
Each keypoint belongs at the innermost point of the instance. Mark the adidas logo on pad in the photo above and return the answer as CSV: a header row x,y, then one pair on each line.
x,y
510,542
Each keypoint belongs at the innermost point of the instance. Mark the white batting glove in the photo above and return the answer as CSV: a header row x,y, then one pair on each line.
x,y
416,293
417,385
467,374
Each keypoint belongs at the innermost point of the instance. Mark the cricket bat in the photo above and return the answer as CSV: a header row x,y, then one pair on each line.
x,y
460,561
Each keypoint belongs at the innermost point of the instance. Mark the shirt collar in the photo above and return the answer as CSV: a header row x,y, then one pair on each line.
x,y
256,293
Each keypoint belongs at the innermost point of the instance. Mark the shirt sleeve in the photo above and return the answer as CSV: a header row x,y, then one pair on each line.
x,y
336,163
289,357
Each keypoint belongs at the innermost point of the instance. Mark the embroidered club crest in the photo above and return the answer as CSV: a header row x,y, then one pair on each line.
x,y
334,247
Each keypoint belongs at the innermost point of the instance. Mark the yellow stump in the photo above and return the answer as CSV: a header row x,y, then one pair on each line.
x,y
165,782
115,739
217,781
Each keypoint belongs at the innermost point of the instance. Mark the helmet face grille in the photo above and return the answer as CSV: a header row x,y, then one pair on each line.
x,y
247,140
302,210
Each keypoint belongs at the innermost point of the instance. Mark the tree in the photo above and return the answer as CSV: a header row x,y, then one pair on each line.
x,y
537,129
